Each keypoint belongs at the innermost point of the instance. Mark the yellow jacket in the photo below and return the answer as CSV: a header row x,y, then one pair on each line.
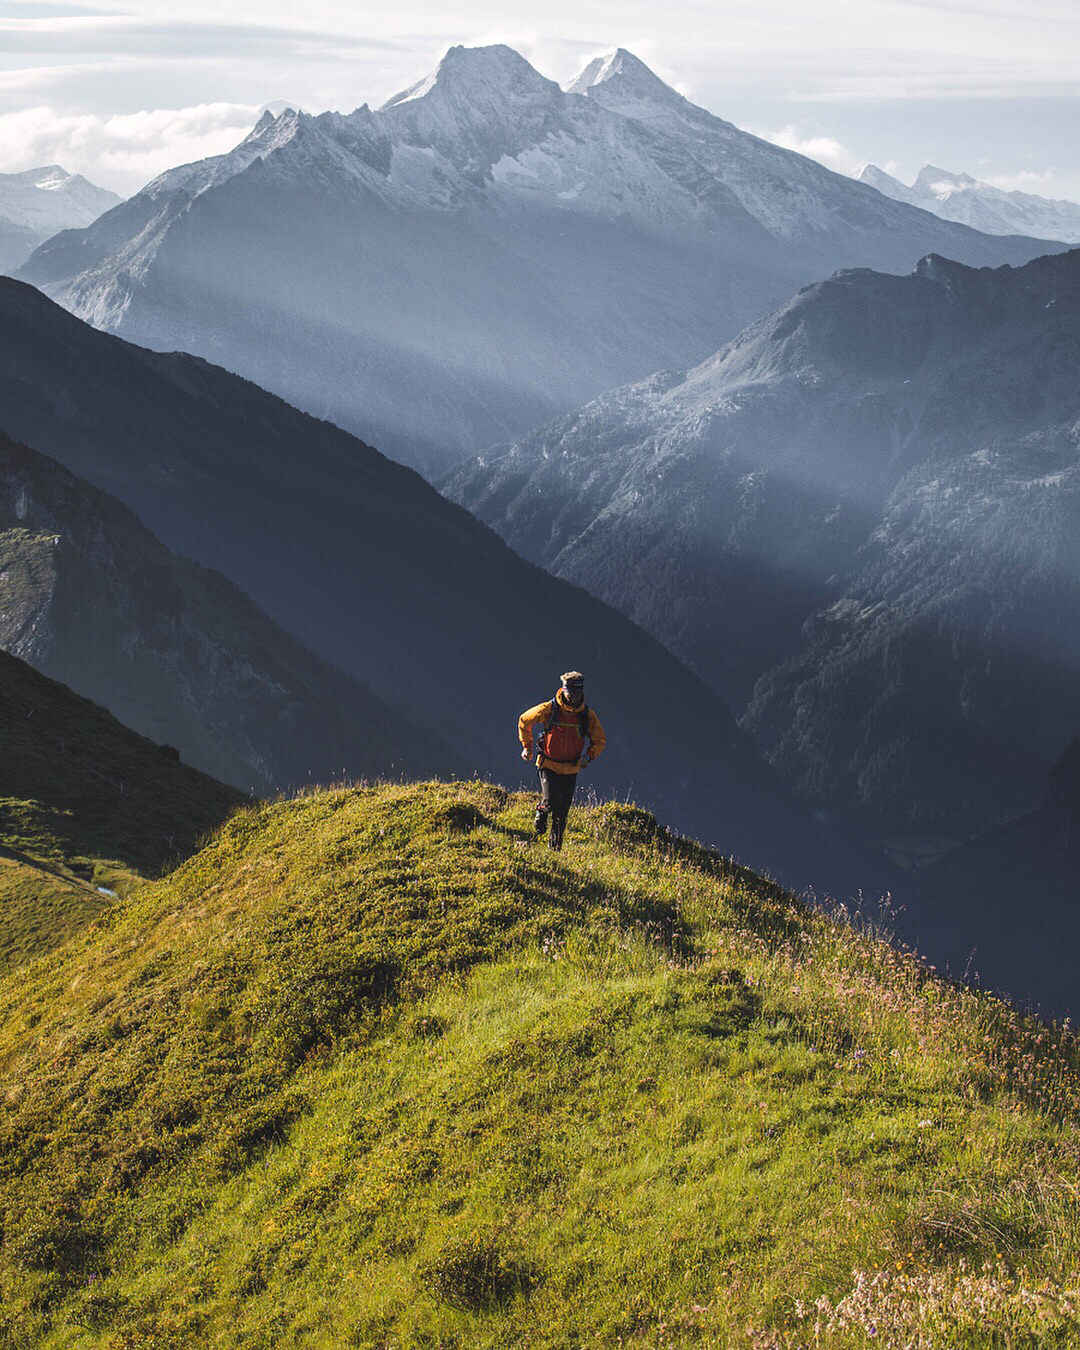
x,y
539,716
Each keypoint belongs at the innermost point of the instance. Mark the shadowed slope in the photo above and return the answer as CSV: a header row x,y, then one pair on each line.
x,y
175,651
376,573
84,802
857,522
1003,905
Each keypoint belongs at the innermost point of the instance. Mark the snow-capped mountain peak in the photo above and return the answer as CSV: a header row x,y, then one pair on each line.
x,y
478,76
885,183
624,84
40,202
966,200
626,68
508,246
52,178
269,133
941,182
21,198
479,105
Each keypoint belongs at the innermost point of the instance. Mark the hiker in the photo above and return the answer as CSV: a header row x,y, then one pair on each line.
x,y
566,723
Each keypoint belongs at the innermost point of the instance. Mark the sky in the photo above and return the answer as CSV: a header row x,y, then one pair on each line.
x,y
120,92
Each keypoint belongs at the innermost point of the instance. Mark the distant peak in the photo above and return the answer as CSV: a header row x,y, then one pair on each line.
x,y
270,131
870,173
930,177
627,73
935,267
279,106
497,55
466,71
47,176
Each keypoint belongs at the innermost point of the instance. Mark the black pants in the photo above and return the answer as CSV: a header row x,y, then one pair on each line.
x,y
556,794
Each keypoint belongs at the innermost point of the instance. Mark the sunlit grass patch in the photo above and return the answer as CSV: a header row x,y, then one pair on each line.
x,y
376,1069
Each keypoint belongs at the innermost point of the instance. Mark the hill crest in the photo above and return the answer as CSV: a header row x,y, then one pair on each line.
x,y
375,1064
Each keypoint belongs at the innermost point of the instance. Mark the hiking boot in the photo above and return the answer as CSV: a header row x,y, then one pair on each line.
x,y
540,821
555,837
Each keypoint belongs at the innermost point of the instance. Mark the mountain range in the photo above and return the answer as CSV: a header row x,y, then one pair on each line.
x,y
959,197
383,578
481,253
175,651
858,522
38,203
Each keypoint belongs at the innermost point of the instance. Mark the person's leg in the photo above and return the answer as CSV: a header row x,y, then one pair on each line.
x,y
562,794
543,808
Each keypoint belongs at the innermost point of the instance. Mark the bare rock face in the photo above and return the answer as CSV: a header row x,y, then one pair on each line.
x,y
484,252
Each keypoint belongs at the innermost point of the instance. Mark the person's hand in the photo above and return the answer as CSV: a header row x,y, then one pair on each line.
x,y
586,759
526,752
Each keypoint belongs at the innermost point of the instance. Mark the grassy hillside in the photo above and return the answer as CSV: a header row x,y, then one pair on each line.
x,y
85,804
375,1068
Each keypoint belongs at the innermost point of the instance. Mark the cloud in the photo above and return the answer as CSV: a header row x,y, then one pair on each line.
x,y
825,149
115,34
1043,184
124,151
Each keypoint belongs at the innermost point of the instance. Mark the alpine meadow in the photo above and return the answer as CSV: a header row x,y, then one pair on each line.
x,y
539,677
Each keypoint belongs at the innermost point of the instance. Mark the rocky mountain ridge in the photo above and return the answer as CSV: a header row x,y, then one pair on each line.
x,y
484,251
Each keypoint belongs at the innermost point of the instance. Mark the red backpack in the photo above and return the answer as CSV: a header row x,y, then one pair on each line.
x,y
564,733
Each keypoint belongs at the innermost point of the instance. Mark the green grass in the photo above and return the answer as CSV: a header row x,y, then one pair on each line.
x,y
375,1068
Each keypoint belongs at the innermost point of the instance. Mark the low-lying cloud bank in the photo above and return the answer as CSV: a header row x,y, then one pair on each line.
x,y
125,150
